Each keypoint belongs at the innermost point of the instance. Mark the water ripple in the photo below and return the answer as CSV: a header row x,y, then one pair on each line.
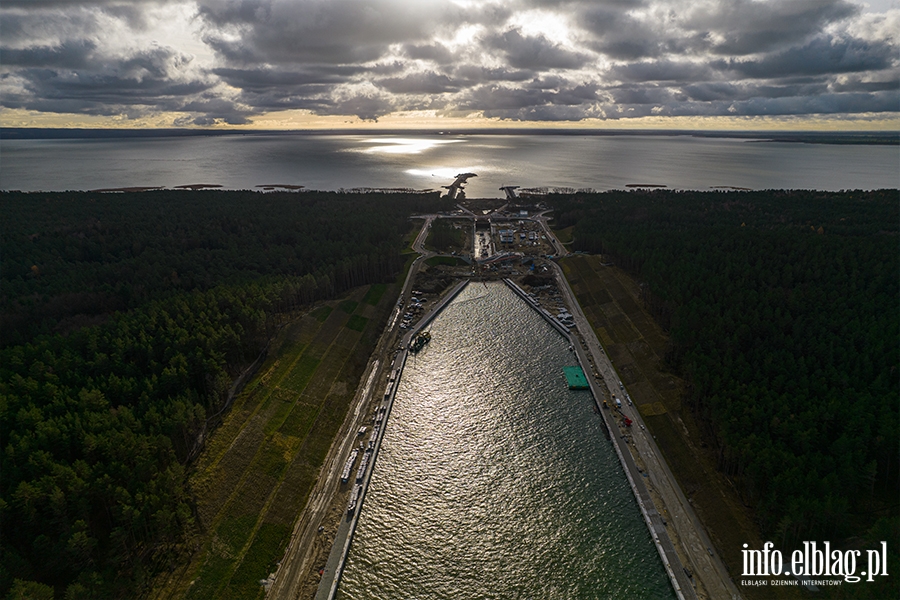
x,y
494,479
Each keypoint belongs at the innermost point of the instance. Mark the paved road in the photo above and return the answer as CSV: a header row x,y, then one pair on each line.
x,y
706,565
542,218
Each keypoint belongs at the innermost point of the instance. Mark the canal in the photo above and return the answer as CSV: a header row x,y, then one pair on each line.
x,y
494,480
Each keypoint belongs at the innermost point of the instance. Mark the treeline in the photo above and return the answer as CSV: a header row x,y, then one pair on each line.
x,y
444,237
97,423
68,257
782,310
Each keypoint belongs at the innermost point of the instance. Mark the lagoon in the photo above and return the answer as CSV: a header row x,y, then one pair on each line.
x,y
429,161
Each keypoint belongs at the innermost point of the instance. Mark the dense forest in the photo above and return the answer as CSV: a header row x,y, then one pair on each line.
x,y
125,319
444,236
783,314
69,257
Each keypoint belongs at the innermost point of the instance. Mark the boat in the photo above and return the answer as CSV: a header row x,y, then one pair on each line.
x,y
420,341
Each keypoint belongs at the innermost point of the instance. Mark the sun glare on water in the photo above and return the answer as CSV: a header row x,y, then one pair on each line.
x,y
403,145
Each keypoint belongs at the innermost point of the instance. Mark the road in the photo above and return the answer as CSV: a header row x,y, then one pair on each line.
x,y
541,218
707,567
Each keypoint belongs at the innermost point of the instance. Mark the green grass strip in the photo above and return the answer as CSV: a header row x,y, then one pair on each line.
x,y
301,374
210,577
260,558
348,306
373,296
356,323
321,313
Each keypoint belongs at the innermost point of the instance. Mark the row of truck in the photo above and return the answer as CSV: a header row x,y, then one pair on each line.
x,y
366,450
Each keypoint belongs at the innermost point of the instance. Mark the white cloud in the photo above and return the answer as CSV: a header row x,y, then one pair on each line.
x,y
229,60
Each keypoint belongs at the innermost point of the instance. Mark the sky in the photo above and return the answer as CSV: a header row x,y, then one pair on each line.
x,y
313,64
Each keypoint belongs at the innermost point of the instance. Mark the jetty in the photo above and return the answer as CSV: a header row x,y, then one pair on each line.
x,y
575,378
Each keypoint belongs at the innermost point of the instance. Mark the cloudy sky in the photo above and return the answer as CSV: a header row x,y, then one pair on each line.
x,y
318,63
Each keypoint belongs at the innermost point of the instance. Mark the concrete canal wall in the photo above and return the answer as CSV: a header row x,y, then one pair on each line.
x,y
540,309
331,577
652,518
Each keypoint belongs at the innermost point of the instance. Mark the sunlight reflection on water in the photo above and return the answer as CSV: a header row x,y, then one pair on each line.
x,y
390,145
494,479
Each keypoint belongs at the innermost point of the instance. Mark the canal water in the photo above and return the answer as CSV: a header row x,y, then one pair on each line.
x,y
494,480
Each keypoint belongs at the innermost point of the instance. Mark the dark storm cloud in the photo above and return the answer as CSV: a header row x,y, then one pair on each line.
x,y
333,31
511,59
534,52
99,94
821,56
365,106
436,52
496,97
263,79
618,34
857,85
428,82
741,27
662,70
548,98
821,104
69,55
212,109
632,95
76,78
474,74
711,92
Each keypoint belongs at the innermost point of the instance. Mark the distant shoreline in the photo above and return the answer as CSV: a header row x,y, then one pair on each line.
x,y
882,138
